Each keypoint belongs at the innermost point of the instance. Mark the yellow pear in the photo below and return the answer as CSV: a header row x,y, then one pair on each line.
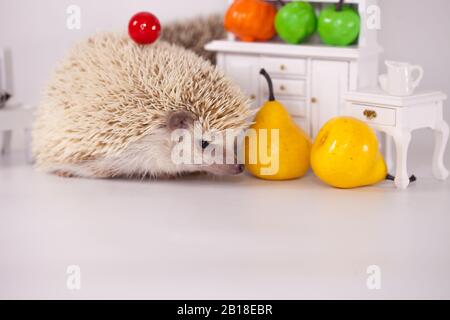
x,y
276,148
346,154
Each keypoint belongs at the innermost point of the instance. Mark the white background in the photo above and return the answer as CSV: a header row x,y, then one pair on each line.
x,y
300,239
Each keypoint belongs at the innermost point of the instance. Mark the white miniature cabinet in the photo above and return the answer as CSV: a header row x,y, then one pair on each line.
x,y
242,70
13,117
398,117
309,79
330,80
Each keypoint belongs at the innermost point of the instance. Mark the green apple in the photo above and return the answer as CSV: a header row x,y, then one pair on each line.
x,y
295,22
339,25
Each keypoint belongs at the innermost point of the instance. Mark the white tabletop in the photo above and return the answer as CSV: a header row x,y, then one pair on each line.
x,y
221,238
378,96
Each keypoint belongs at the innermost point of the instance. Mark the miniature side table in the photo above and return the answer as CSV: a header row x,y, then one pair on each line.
x,y
15,117
397,117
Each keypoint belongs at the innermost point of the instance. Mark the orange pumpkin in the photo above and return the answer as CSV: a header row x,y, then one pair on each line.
x,y
251,20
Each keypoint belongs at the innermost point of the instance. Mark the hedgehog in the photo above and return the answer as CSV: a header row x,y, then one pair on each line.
x,y
111,106
195,33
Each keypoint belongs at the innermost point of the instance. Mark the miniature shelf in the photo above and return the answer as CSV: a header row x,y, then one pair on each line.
x,y
287,50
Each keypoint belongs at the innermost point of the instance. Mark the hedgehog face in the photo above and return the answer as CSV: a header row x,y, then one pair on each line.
x,y
196,150
219,154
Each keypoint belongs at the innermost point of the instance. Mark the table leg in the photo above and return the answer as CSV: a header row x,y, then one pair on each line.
x,y
388,151
28,146
5,146
402,140
441,132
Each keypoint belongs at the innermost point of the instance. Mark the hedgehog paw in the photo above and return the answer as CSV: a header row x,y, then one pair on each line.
x,y
103,174
64,174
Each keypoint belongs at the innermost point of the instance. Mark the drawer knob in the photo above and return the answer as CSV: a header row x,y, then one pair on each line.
x,y
313,100
282,88
282,67
370,114
252,97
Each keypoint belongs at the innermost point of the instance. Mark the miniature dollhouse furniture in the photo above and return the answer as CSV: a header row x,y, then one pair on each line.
x,y
309,79
398,117
13,116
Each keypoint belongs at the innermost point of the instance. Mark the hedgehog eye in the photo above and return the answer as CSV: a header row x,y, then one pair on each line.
x,y
205,144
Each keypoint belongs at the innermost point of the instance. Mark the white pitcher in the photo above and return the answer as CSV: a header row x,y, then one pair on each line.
x,y
399,80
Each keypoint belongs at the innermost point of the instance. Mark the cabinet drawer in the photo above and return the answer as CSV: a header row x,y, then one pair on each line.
x,y
296,108
284,66
283,87
372,114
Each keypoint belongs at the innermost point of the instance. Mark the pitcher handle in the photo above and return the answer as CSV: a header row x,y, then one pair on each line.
x,y
420,75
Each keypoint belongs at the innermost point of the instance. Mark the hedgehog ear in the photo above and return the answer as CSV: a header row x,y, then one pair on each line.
x,y
180,120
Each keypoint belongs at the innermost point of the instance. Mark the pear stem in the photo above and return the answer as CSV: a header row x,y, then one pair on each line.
x,y
269,83
340,5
